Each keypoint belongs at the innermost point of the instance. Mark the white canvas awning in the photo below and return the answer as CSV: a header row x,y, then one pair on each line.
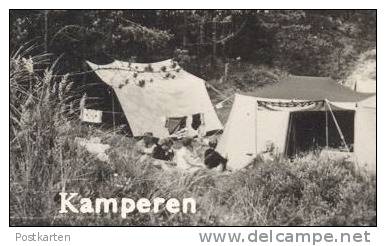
x,y
168,91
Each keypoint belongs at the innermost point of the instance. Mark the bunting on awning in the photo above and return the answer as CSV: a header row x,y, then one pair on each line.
x,y
290,105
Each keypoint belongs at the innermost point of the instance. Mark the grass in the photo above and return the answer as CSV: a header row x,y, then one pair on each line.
x,y
45,161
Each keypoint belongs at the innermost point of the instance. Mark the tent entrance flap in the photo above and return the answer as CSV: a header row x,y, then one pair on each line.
x,y
174,124
307,131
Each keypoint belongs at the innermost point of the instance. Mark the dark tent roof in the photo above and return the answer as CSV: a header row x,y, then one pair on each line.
x,y
309,88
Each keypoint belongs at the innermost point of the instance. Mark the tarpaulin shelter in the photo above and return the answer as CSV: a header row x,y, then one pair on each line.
x,y
297,114
153,95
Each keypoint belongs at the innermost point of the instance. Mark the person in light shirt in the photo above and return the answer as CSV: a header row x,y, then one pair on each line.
x,y
185,157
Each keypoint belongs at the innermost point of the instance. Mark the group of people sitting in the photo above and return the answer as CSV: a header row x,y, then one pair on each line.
x,y
184,158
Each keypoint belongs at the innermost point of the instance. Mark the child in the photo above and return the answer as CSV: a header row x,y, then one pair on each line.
x,y
145,147
163,150
185,158
213,158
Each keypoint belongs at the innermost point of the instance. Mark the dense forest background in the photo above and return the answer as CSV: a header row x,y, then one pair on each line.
x,y
301,42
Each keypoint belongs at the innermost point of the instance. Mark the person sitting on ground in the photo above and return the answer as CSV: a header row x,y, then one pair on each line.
x,y
212,158
145,146
185,158
270,152
163,150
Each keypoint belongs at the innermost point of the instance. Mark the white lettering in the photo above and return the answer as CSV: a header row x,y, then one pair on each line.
x,y
158,201
143,205
106,205
86,206
125,210
66,203
173,205
191,202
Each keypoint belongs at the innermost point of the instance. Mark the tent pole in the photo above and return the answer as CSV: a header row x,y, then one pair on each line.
x,y
255,109
112,100
326,113
289,132
337,126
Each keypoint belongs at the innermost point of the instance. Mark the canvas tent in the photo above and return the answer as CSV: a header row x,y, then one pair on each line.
x,y
151,95
297,113
366,133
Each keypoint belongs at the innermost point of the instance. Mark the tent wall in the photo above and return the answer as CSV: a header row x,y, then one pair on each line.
x,y
238,142
147,108
370,102
272,126
365,138
248,130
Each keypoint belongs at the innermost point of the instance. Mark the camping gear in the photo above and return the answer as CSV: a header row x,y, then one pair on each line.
x,y
91,115
297,114
168,92
94,146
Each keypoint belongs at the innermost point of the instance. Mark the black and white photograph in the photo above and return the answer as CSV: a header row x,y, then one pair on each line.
x,y
192,117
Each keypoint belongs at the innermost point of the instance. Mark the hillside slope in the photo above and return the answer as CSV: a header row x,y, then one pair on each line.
x,y
363,77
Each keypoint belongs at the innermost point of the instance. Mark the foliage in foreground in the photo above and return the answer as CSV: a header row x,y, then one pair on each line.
x,y
307,191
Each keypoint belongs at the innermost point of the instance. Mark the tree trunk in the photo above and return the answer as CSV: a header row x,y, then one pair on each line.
x,y
46,31
184,39
214,45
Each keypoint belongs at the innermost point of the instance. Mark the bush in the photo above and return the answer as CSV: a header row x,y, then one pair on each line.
x,y
248,77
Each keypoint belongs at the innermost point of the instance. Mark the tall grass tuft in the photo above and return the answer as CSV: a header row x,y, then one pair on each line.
x,y
43,156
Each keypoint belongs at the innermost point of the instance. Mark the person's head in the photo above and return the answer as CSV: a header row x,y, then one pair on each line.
x,y
148,138
187,142
269,146
165,147
165,143
213,143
